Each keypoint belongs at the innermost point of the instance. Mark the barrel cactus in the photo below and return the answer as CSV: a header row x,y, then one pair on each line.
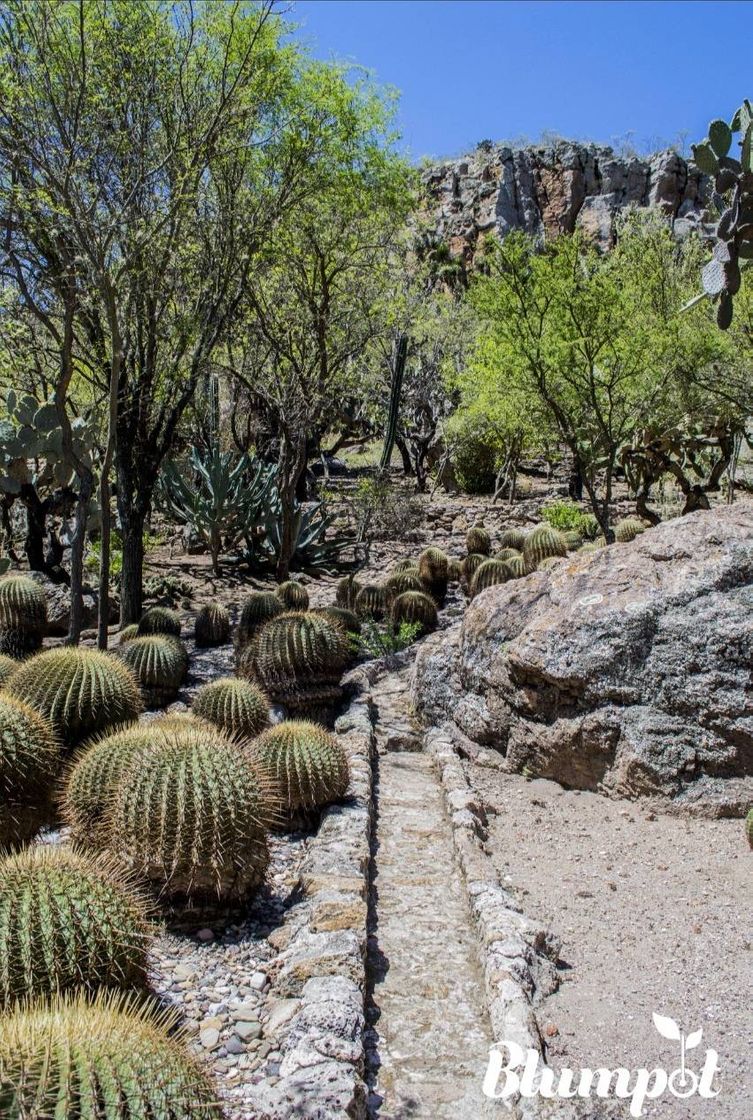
x,y
489,574
414,607
306,765
347,592
237,707
68,919
628,529
159,663
433,570
293,595
341,616
541,542
160,620
403,565
453,570
298,659
478,540
506,554
212,626
517,566
190,816
513,538
257,609
114,1058
23,616
29,760
399,582
7,666
128,633
372,602
469,567
749,827
548,563
573,540
80,691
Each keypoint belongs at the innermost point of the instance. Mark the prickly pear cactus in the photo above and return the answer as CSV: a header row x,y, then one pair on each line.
x,y
29,763
257,609
478,540
23,616
68,920
541,542
115,1057
80,691
159,663
293,595
212,626
237,707
160,620
414,607
306,765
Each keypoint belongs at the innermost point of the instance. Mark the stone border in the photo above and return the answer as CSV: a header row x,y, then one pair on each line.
x,y
517,956
319,976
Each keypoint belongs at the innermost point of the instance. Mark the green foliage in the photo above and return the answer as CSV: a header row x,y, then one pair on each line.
x,y
311,547
476,451
488,574
114,1057
212,626
29,759
237,707
79,691
306,765
347,592
628,529
372,602
478,540
383,641
569,516
23,616
167,589
293,595
433,568
149,542
541,542
68,920
298,659
160,620
414,607
407,579
159,663
190,815
258,608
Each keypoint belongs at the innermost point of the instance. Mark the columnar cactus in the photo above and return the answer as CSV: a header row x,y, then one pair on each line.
x,y
306,765
29,761
433,570
160,620
190,816
488,574
372,602
293,595
406,580
628,529
159,663
541,542
298,659
79,691
23,616
347,592
68,920
114,1058
478,540
257,609
414,607
237,707
513,538
212,626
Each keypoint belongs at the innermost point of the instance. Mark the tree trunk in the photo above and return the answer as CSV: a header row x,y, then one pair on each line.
x,y
396,390
292,464
132,573
36,528
404,455
78,540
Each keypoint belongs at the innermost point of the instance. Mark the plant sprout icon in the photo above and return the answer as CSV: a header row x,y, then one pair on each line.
x,y
668,1028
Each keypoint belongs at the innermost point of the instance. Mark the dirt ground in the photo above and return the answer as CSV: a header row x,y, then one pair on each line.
x,y
655,914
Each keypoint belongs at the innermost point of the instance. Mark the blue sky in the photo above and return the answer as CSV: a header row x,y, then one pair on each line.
x,y
470,70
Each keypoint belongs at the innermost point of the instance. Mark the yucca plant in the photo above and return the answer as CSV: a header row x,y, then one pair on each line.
x,y
298,659
489,574
68,919
347,592
478,540
414,607
541,542
212,626
257,609
628,529
80,691
159,663
293,595
237,707
23,616
190,816
160,620
513,538
114,1057
29,762
372,602
433,569
306,764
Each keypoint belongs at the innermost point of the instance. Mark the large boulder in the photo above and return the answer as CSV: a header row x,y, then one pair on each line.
x,y
59,605
626,670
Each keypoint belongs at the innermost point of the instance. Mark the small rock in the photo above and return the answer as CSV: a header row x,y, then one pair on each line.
x,y
205,935
257,981
234,1045
209,1038
248,1030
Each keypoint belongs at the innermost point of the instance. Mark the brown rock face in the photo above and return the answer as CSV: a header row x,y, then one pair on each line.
x,y
555,189
626,670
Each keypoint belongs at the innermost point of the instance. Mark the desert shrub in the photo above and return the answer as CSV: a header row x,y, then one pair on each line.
x,y
383,641
475,451
569,516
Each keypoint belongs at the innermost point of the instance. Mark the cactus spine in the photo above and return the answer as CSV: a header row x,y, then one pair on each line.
x,y
239,708
23,616
29,759
305,763
212,626
293,595
160,620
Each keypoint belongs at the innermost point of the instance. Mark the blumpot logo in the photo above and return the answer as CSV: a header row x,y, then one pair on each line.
x,y
524,1075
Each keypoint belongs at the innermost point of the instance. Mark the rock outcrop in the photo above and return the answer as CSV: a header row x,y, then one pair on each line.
x,y
626,671
555,189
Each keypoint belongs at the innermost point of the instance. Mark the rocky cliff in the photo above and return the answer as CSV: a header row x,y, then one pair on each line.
x,y
555,189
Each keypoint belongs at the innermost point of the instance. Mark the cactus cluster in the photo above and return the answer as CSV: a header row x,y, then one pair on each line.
x,y
237,707
469,567
298,659
433,570
160,620
293,595
414,607
79,691
628,529
306,765
541,542
159,663
68,920
23,616
488,574
258,608
404,565
372,602
478,540
573,540
506,554
212,626
517,566
29,759
114,1058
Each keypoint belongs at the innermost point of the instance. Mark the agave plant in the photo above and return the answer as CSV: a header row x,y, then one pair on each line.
x,y
312,549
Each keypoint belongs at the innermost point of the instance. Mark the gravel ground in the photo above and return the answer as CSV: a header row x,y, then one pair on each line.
x,y
655,913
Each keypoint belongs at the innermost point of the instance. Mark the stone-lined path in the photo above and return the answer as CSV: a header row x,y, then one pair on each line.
x,y
430,1035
